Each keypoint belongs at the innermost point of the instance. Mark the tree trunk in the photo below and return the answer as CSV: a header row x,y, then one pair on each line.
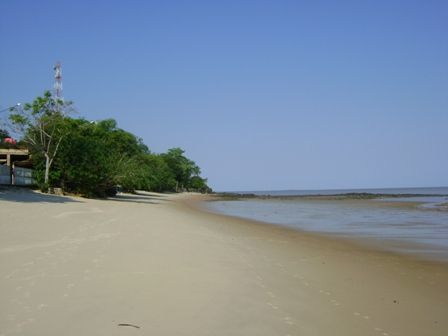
x,y
47,169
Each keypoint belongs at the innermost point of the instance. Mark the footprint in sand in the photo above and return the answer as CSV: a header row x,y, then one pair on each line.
x,y
10,275
273,306
365,317
379,330
288,320
42,306
335,303
259,284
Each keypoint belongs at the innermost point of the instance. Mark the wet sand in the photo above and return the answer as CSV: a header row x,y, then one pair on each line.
x,y
156,265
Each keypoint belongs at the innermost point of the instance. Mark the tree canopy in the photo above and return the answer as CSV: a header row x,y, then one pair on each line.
x,y
41,124
98,158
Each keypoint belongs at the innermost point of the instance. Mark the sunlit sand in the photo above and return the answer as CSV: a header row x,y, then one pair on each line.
x,y
154,264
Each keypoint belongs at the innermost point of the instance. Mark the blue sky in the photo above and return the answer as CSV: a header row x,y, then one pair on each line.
x,y
262,95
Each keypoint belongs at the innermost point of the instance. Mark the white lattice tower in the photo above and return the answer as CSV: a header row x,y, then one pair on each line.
x,y
58,81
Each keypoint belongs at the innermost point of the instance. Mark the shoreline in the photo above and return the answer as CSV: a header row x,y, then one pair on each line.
x,y
76,266
368,244
381,243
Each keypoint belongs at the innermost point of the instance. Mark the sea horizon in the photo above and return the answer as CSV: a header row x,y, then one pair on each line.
x,y
439,190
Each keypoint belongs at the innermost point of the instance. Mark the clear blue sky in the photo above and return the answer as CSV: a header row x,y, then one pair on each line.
x,y
261,94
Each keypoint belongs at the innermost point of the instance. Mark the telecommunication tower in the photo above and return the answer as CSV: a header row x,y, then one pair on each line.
x,y
58,81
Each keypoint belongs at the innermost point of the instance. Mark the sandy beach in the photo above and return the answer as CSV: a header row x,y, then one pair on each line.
x,y
152,264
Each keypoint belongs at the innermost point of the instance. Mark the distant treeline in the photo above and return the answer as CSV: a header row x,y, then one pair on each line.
x,y
97,158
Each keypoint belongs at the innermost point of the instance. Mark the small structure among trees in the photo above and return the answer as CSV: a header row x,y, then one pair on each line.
x,y
15,166
14,161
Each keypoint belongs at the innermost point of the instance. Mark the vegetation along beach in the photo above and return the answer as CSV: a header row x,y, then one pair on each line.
x,y
223,168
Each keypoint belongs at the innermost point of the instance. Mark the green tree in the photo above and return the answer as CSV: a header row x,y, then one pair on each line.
x,y
97,157
198,183
41,125
185,171
159,175
81,165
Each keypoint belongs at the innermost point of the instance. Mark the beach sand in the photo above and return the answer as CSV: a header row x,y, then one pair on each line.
x,y
157,265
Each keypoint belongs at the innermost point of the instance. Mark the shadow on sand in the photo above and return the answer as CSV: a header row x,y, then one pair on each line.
x,y
140,197
25,195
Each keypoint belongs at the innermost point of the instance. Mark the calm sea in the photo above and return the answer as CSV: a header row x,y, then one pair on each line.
x,y
420,230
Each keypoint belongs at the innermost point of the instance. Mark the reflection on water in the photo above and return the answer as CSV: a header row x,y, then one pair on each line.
x,y
415,229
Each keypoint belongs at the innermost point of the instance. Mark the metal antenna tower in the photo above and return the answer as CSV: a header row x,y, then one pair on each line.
x,y
58,81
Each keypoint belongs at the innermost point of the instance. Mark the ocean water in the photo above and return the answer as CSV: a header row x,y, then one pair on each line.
x,y
420,230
